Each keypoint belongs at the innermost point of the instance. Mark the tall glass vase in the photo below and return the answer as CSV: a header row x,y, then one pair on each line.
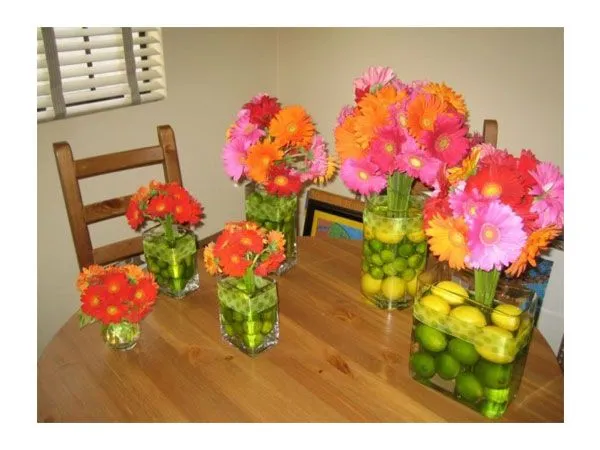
x,y
171,257
470,351
249,318
394,251
275,213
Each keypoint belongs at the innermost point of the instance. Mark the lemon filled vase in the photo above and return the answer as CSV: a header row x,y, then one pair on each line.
x,y
170,253
474,352
394,251
248,313
274,212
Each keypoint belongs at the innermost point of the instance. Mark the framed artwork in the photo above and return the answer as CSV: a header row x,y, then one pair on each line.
x,y
339,219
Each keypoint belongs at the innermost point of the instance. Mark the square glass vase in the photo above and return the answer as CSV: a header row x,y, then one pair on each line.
x,y
172,261
275,213
249,322
470,352
394,252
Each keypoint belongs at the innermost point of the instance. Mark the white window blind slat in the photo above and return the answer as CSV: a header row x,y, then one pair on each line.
x,y
98,68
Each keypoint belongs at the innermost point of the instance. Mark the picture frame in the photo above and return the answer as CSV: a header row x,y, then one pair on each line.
x,y
332,215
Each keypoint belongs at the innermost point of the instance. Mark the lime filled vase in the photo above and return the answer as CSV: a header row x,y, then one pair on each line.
x,y
248,313
275,213
121,335
170,252
472,351
394,251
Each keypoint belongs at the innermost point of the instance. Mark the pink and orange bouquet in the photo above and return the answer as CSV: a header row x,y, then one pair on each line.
x,y
277,147
415,130
116,293
496,211
244,250
167,203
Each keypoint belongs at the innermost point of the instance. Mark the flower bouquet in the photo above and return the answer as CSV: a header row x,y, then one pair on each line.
x,y
472,327
278,150
169,246
397,133
119,297
242,257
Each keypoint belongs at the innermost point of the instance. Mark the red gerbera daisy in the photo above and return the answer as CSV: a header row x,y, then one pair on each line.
x,y
92,300
134,215
112,311
263,110
270,264
184,211
250,240
233,262
117,285
436,205
498,182
526,164
281,182
160,206
144,296
176,192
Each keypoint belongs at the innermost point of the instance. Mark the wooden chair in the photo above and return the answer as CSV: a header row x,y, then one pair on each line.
x,y
81,216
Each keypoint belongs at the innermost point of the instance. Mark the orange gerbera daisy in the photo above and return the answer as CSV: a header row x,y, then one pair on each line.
x,y
134,272
345,141
448,240
210,262
374,114
259,160
469,164
276,239
332,167
87,274
292,125
536,242
448,96
422,113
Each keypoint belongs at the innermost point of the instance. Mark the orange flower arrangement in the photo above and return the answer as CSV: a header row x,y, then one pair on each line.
x,y
115,294
245,250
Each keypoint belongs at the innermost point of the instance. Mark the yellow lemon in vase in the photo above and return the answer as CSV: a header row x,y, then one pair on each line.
x,y
506,316
450,291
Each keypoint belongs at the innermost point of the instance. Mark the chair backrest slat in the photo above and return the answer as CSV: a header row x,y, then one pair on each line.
x,y
80,215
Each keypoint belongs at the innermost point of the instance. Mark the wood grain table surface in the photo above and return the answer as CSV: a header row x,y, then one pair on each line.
x,y
338,360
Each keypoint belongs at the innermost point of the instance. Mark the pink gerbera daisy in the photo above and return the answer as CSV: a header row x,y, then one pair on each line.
x,y
360,175
386,146
346,111
245,130
316,165
466,204
418,164
496,237
234,158
373,77
447,141
549,192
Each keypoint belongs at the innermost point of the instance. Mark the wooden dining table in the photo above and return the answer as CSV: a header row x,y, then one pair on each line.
x,y
338,359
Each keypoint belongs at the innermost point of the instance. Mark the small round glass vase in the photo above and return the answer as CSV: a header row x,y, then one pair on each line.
x,y
122,335
394,252
275,213
172,261
249,321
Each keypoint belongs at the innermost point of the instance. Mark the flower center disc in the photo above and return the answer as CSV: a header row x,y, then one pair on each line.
x,y
292,128
456,238
280,180
363,175
415,162
443,143
491,190
389,147
489,234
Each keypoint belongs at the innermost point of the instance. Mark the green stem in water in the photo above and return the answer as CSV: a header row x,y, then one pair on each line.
x,y
168,227
486,282
398,192
249,281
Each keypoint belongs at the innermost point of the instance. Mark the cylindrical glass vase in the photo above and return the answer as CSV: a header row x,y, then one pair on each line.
x,y
394,252
172,259
472,353
122,335
249,321
275,213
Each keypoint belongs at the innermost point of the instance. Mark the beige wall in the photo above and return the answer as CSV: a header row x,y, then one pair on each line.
x,y
514,76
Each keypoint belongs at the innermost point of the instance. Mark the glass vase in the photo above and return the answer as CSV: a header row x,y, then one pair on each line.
x,y
275,213
249,321
121,335
394,252
473,353
172,259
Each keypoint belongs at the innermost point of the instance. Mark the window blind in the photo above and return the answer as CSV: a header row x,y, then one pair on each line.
x,y
83,70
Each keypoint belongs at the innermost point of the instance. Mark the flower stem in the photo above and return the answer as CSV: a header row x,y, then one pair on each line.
x,y
486,282
398,192
168,227
249,280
